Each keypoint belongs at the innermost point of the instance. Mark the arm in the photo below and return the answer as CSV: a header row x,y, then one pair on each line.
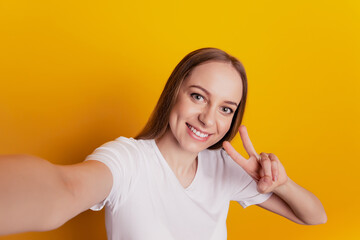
x,y
289,199
296,204
36,195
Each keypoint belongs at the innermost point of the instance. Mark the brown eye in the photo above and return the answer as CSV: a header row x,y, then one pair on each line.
x,y
227,110
197,97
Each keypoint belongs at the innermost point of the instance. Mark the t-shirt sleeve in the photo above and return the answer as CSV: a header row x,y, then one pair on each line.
x,y
243,186
120,157
250,196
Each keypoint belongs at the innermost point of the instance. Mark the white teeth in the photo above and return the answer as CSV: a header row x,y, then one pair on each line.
x,y
197,133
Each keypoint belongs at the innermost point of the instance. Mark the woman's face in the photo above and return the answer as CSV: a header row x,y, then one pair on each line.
x,y
205,105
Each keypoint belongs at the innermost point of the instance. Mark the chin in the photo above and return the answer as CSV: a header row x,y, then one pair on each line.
x,y
197,147
193,149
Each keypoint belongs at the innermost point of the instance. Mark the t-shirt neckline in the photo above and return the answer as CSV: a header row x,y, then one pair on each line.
x,y
159,154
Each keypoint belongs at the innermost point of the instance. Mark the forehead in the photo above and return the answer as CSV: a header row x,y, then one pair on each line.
x,y
220,79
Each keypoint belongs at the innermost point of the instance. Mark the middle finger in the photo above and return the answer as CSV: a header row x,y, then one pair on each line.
x,y
266,164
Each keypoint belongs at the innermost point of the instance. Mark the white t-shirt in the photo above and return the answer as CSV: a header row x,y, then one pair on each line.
x,y
147,201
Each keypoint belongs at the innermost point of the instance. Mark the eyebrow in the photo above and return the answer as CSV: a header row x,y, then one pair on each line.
x,y
208,93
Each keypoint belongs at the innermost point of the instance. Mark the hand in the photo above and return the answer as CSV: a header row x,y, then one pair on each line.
x,y
265,169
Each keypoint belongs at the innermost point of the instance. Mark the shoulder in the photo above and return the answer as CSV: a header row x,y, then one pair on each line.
x,y
124,146
125,158
220,159
120,142
222,172
122,153
218,163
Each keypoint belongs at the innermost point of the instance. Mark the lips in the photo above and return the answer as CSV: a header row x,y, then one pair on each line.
x,y
197,132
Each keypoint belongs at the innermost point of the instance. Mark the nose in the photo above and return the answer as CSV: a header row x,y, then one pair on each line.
x,y
207,117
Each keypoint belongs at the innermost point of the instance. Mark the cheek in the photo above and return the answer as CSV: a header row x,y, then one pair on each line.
x,y
184,108
178,114
225,126
173,117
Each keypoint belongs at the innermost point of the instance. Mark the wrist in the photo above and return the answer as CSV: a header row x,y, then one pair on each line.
x,y
283,188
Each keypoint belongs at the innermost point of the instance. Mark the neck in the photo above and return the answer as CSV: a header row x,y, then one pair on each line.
x,y
181,161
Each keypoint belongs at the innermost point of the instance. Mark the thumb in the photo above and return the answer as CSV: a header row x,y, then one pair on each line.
x,y
264,184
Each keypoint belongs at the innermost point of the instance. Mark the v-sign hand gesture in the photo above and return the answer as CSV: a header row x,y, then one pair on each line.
x,y
265,169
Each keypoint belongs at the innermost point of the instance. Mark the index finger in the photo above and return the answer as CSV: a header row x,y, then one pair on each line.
x,y
247,143
234,154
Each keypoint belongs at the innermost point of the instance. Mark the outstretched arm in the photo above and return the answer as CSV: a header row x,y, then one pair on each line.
x,y
36,195
290,200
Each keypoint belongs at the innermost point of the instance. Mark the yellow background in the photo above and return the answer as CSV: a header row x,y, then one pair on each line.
x,y
76,74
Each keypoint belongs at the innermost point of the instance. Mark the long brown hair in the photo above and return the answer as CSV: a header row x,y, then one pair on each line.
x,y
159,119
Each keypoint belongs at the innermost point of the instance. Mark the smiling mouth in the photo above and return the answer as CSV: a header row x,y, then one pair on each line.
x,y
197,132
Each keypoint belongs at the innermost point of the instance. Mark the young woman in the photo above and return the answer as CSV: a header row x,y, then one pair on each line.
x,y
175,180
